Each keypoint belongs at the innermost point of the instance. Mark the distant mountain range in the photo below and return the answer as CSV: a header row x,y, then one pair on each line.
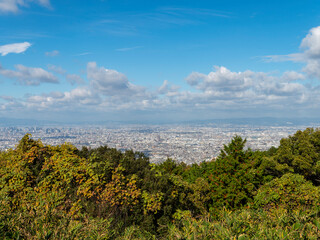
x,y
10,122
266,121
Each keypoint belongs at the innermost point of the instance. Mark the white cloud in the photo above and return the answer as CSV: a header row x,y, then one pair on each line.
x,y
164,87
167,88
313,68
107,90
221,78
57,101
127,49
9,6
14,48
45,3
311,46
71,78
75,79
12,6
82,54
107,81
310,54
53,53
311,43
194,78
56,69
294,57
243,88
292,76
29,76
110,82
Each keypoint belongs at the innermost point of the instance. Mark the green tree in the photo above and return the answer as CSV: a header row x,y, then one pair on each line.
x,y
234,176
299,153
290,192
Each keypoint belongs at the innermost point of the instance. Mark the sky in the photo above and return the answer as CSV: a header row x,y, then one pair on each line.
x,y
101,60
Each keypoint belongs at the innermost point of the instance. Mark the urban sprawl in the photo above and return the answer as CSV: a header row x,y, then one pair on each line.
x,y
183,143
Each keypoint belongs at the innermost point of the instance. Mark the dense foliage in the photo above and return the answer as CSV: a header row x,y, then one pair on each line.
x,y
61,192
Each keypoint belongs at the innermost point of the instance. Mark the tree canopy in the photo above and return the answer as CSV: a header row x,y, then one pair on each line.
x,y
55,192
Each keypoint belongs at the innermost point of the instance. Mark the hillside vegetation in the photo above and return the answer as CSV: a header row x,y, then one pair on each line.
x,y
61,192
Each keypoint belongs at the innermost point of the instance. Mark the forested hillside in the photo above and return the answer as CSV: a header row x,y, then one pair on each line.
x,y
61,192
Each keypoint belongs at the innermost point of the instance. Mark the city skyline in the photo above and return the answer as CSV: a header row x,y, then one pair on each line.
x,y
159,60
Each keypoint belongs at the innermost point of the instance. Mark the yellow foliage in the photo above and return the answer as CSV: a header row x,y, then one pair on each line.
x,y
152,202
121,191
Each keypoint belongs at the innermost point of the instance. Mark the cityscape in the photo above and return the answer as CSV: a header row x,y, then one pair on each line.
x,y
183,143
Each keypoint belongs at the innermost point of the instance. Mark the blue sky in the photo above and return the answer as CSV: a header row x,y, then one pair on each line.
x,y
159,60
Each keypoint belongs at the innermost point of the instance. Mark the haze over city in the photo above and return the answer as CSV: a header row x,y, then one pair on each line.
x,y
159,60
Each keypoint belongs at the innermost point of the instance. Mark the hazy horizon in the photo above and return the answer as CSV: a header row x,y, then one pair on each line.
x,y
222,122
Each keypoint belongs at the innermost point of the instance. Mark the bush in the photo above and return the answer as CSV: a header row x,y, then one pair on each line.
x,y
290,192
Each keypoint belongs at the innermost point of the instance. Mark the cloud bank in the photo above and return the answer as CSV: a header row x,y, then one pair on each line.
x,y
219,90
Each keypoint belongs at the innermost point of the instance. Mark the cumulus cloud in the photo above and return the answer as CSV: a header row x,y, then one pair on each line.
x,y
106,90
293,76
12,6
29,76
167,88
310,49
80,97
311,43
164,87
53,53
56,69
310,54
107,81
110,82
194,78
243,88
311,46
14,48
11,104
313,68
221,78
71,78
75,79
